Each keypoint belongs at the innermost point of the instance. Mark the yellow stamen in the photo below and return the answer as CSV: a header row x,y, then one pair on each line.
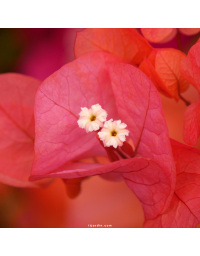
x,y
93,118
113,133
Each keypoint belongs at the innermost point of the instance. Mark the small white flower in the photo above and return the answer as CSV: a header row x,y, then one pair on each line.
x,y
113,133
92,119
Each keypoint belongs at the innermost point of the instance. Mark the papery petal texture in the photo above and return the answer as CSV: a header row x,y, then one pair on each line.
x,y
184,210
190,69
81,83
150,71
191,124
159,35
141,109
125,43
126,94
17,95
167,64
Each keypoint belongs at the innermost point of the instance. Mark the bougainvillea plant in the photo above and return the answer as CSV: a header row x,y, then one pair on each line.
x,y
101,114
191,72
163,35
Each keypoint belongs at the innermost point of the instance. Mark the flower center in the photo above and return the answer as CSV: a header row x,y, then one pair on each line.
x,y
92,118
113,133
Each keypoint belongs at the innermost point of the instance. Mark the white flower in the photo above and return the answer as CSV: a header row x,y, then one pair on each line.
x,y
113,133
92,119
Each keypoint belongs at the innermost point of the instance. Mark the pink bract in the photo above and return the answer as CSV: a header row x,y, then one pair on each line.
x,y
17,129
126,94
184,209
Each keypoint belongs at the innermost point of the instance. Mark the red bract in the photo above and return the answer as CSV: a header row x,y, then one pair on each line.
x,y
163,35
190,70
125,43
16,128
163,67
184,209
158,35
126,94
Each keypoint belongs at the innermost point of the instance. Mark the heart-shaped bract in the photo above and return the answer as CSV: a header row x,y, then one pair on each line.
x,y
126,94
163,67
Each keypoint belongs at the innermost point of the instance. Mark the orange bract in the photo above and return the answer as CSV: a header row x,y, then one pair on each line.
x,y
150,71
125,43
157,35
165,71
164,35
190,69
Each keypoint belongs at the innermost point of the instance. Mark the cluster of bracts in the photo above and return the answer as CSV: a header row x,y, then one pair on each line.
x,y
119,70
